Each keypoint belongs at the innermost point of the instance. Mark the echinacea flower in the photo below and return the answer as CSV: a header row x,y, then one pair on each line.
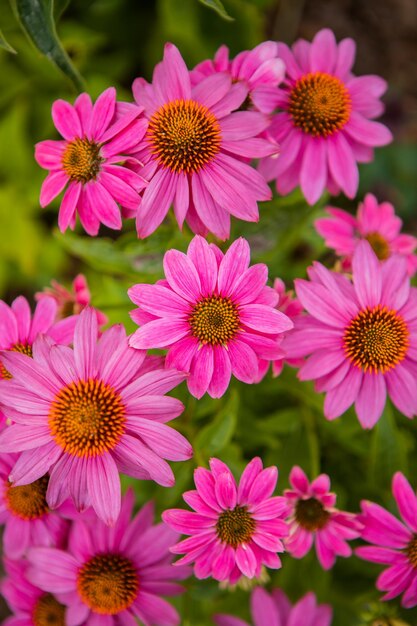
x,y
213,312
377,223
275,610
25,514
112,577
235,529
314,518
86,413
326,124
394,542
90,161
361,335
31,606
193,150
260,70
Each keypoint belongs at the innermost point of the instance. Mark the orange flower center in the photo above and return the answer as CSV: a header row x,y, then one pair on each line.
x,y
28,502
320,104
48,612
81,160
23,348
108,583
235,526
184,136
379,245
376,340
214,320
87,418
411,551
311,514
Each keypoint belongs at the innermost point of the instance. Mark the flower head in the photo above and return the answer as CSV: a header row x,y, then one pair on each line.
x,y
275,610
213,312
260,70
193,150
86,414
377,223
325,127
313,518
235,529
361,336
113,576
90,161
394,542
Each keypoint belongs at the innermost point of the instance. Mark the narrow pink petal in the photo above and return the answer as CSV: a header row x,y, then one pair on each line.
x,y
367,132
52,570
402,389
201,371
84,108
340,398
215,218
103,205
157,199
187,522
34,463
165,441
120,191
319,303
48,154
182,275
212,89
53,184
66,120
43,318
366,275
406,500
225,488
103,113
222,371
136,454
68,206
103,485
246,560
345,58
265,319
371,399
181,354
243,125
313,175
251,471
342,164
85,342
19,437
232,266
154,298
176,76
205,263
243,360
182,199
323,52
263,486
159,334
264,610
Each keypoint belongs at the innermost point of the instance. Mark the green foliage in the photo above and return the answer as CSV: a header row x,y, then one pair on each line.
x,y
217,6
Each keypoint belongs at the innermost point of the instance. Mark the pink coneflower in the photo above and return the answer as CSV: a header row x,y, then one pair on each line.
x,y
31,606
86,414
235,529
325,125
89,161
260,70
395,543
71,302
112,577
377,223
313,518
193,150
213,312
275,610
25,514
361,335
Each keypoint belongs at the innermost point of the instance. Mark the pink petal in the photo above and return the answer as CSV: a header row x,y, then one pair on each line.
x,y
103,113
201,371
157,199
313,175
159,333
340,398
232,266
246,560
366,275
371,399
66,120
265,319
406,500
323,52
222,371
156,298
68,205
182,275
243,360
53,184
103,205
225,488
342,164
366,132
205,263
103,485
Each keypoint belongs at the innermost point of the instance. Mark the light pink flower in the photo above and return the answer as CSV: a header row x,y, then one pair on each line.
x,y
112,577
260,70
361,335
325,127
86,414
195,148
90,161
214,313
235,529
275,610
377,223
73,301
313,518
394,543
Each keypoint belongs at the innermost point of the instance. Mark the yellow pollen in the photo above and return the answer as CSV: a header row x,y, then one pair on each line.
x,y
81,160
379,245
311,514
320,104
214,320
411,551
376,340
184,136
23,348
48,612
87,418
235,526
28,502
108,584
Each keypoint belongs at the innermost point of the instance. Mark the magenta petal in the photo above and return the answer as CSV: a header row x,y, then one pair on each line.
x,y
313,175
52,570
164,440
159,333
205,262
342,165
244,361
251,471
371,399
53,184
264,610
201,371
176,75
367,132
265,319
246,560
103,112
232,266
222,371
66,120
182,275
103,485
225,489
157,199
103,205
340,398
406,500
68,206
366,275
158,298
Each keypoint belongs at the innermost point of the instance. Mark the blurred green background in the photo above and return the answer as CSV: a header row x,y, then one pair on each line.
x,y
111,42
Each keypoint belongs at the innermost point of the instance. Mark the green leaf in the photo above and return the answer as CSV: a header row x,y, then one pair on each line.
x,y
5,44
214,437
388,450
217,6
36,19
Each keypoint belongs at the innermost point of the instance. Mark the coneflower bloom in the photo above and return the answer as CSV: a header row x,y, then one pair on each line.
x,y
275,610
314,518
394,542
213,312
195,150
114,576
325,127
377,223
31,606
90,161
25,514
235,529
361,335
260,70
86,414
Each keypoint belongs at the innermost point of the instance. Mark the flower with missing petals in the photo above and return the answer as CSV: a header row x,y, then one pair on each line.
x,y
213,312
326,124
90,161
235,529
86,413
313,518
